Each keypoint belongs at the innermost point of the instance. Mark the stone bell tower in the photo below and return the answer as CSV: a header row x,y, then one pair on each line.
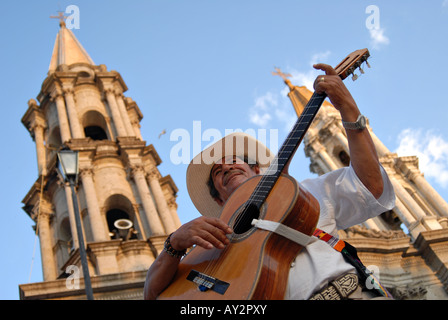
x,y
412,265
82,107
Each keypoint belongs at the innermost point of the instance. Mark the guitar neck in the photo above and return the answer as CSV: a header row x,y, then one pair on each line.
x,y
287,149
295,137
297,134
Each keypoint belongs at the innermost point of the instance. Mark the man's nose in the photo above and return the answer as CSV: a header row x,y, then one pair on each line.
x,y
226,167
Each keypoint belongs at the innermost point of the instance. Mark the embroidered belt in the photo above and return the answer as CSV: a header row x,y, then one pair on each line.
x,y
338,289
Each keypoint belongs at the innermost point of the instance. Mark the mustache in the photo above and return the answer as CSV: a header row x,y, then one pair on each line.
x,y
230,174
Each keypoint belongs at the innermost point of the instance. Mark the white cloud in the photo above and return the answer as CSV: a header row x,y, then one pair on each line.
x,y
431,150
307,78
303,78
320,57
260,113
271,107
378,38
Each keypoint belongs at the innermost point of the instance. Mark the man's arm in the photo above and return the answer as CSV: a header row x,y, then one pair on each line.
x,y
363,156
205,232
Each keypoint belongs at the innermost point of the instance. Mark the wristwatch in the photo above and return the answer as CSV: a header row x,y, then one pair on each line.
x,y
360,123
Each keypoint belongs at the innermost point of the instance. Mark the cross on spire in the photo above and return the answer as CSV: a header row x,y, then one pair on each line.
x,y
284,76
61,18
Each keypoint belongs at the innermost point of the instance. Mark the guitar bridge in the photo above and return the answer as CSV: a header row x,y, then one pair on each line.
x,y
206,282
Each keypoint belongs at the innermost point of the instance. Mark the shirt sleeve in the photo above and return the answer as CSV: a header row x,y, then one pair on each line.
x,y
347,199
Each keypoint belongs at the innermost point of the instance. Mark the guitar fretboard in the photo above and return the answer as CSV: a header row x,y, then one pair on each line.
x,y
287,150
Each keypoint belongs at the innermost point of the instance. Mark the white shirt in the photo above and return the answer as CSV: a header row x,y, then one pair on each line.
x,y
344,202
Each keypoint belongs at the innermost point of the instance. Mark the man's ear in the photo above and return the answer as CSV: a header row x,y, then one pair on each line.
x,y
219,201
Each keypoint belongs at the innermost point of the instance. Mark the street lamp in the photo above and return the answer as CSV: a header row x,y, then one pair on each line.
x,y
68,163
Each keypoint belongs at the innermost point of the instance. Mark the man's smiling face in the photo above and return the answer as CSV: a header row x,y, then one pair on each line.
x,y
228,174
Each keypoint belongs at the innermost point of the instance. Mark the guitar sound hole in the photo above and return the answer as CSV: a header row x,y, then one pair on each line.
x,y
243,221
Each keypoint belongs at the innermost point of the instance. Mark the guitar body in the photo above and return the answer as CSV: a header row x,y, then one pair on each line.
x,y
255,265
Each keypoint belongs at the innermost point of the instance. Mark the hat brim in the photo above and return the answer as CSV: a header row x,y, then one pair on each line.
x,y
198,172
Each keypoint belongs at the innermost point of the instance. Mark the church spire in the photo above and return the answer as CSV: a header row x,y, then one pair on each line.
x,y
299,96
67,49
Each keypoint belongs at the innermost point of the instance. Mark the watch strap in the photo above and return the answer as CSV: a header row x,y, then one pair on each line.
x,y
353,125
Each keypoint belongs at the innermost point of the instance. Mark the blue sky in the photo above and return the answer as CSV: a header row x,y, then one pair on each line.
x,y
209,63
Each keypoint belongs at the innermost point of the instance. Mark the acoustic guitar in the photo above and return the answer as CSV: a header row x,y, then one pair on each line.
x,y
255,265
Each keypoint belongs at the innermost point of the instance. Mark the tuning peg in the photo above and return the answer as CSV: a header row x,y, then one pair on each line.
x,y
360,70
354,77
367,63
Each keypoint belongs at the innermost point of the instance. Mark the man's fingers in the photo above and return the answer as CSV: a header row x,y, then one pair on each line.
x,y
215,233
202,243
209,240
212,233
325,67
218,223
205,232
321,82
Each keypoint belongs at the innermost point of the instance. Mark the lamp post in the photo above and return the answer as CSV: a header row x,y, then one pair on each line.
x,y
68,161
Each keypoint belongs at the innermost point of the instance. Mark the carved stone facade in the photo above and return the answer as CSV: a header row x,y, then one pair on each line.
x,y
412,265
81,106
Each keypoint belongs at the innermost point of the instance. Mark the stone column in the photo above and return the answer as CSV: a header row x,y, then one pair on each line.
x,y
327,160
46,242
97,222
172,205
372,224
38,130
159,197
152,216
407,200
116,116
317,166
71,215
381,149
136,126
342,140
139,221
113,135
403,213
124,115
62,115
77,131
319,155
431,195
321,151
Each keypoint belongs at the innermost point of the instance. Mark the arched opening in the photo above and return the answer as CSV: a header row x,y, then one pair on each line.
x,y
83,74
344,158
64,243
121,220
114,215
95,126
95,133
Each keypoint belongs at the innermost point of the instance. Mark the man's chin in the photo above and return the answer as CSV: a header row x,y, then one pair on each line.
x,y
234,183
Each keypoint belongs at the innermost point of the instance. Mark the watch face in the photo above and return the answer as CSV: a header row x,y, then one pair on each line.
x,y
362,122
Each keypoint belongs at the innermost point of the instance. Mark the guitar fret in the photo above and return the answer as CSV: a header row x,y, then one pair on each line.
x,y
287,149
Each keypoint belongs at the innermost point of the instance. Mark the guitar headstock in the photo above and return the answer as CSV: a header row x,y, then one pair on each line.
x,y
353,61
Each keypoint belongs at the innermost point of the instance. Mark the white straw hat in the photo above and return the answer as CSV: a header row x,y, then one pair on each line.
x,y
198,172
